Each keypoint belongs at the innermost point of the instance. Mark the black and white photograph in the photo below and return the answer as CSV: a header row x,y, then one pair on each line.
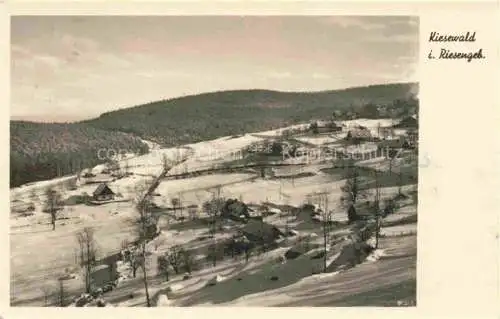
x,y
236,160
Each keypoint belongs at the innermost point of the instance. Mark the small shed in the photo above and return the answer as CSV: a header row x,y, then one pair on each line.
x,y
103,193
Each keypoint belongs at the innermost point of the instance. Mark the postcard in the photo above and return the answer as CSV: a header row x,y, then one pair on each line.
x,y
335,156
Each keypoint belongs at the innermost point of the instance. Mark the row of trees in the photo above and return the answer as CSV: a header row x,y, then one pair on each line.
x,y
177,258
353,191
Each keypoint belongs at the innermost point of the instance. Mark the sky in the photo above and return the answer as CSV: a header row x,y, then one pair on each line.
x,y
66,68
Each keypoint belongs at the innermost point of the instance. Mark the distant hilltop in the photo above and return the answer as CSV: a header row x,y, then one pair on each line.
x,y
210,115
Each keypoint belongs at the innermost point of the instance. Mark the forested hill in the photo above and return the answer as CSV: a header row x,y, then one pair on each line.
x,y
41,151
210,115
44,151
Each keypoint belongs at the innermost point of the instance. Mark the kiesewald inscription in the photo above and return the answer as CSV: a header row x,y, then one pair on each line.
x,y
449,54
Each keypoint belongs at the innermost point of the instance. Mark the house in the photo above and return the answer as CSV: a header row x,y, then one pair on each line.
x,y
258,231
386,133
359,132
103,193
328,127
412,137
409,122
235,210
102,275
391,147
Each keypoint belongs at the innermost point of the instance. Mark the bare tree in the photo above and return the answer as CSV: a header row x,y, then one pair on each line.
x,y
352,190
306,242
166,162
146,229
213,209
326,222
345,156
58,169
326,219
216,206
163,263
180,205
247,249
175,202
33,196
53,203
126,167
175,258
187,260
233,242
193,213
287,213
400,180
376,208
87,255
215,252
78,174
210,209
61,294
263,212
392,155
134,261
125,244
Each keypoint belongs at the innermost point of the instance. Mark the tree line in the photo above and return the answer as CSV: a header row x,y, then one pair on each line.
x,y
217,114
40,151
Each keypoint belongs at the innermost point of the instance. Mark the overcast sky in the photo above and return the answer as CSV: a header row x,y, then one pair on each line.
x,y
68,68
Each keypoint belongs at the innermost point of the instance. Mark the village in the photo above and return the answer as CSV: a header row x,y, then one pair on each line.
x,y
279,218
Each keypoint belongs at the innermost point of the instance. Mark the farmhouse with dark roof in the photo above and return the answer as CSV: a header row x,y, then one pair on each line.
x,y
103,193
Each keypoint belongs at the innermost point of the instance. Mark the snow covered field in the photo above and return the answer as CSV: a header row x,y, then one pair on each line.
x,y
279,132
221,147
39,255
399,230
366,281
34,268
318,140
195,190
